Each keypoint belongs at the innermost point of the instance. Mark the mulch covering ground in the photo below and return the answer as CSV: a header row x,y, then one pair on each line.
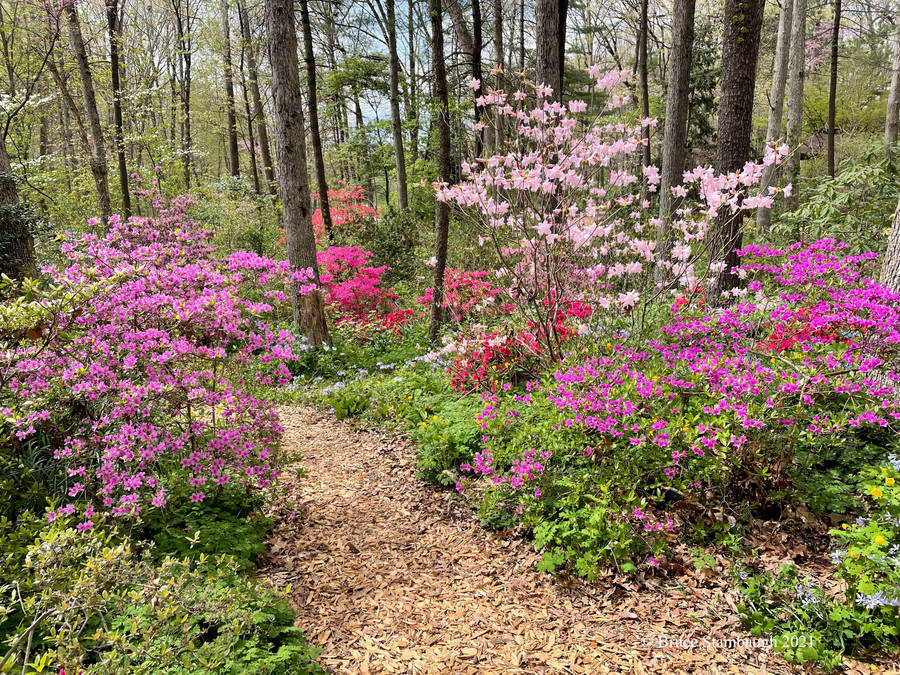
x,y
391,576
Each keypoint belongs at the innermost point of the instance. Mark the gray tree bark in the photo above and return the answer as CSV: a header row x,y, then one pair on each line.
x,y
442,214
315,135
740,51
890,262
832,86
675,128
892,120
258,112
796,78
296,209
396,121
550,39
16,242
112,24
98,164
234,162
776,103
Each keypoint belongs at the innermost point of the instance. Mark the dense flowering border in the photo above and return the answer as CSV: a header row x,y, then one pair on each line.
x,y
134,365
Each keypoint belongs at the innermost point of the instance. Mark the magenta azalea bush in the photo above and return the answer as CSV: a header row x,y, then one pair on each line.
x,y
137,365
713,410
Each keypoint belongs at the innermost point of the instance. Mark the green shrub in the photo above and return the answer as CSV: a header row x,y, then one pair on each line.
x,y
230,522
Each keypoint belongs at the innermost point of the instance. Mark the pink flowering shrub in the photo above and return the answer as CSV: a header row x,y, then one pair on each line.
x,y
707,412
138,362
353,293
567,216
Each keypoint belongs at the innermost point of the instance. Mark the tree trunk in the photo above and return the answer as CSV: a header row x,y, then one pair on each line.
x,y
675,129
309,314
261,130
442,214
183,28
832,85
796,77
316,137
892,121
740,50
396,121
499,58
522,36
16,242
776,103
645,86
412,114
251,139
234,163
477,46
890,262
98,146
550,39
112,22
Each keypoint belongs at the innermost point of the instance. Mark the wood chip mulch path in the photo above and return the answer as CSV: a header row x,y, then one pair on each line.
x,y
390,576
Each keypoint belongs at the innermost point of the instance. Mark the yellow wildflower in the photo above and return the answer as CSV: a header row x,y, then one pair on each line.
x,y
875,492
889,480
879,540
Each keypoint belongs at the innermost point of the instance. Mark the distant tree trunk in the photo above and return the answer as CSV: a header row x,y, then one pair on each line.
x,y
645,86
309,314
892,121
112,23
251,139
261,130
832,85
183,34
796,77
316,137
776,103
396,121
550,40
499,59
522,35
675,130
16,242
477,46
413,113
740,50
98,146
890,262
442,214
234,163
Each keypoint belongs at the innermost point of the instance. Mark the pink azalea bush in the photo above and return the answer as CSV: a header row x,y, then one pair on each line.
x,y
348,209
353,293
707,412
465,292
565,209
137,364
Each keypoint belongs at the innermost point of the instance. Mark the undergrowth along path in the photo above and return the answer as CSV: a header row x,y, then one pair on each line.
x,y
390,575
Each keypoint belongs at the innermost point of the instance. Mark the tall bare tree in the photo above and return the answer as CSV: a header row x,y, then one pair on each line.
x,y
550,42
892,120
776,102
314,133
234,163
675,128
112,24
796,78
442,212
98,164
258,112
740,51
290,131
832,85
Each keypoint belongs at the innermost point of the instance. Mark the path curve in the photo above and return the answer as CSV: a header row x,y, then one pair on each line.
x,y
391,576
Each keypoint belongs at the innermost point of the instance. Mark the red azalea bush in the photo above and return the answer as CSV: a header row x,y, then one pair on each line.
x,y
347,207
135,365
353,292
